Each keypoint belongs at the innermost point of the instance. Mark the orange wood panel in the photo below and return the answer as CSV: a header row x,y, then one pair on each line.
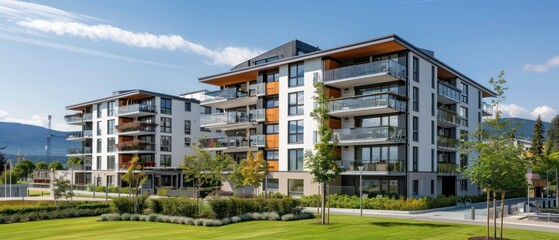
x,y
272,88
273,165
332,93
122,120
335,123
331,64
272,141
272,114
125,139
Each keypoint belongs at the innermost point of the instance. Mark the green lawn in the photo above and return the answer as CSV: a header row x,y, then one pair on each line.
x,y
342,227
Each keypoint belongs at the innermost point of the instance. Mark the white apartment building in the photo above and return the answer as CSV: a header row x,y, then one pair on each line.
x,y
158,128
395,109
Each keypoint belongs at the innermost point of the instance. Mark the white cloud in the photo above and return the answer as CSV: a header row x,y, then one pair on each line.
x,y
81,50
40,119
551,63
226,56
14,10
512,110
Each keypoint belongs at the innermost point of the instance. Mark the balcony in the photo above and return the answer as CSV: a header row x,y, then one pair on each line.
x,y
447,143
487,109
125,165
258,140
79,151
232,120
135,147
136,128
378,103
447,168
371,167
447,118
363,74
226,143
448,94
78,119
79,136
232,97
137,110
369,135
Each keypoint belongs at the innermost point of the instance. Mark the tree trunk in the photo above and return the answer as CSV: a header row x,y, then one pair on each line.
x,y
494,215
323,210
197,203
318,206
488,199
502,211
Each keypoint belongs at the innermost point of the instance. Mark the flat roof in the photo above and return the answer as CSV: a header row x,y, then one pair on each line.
x,y
127,93
388,38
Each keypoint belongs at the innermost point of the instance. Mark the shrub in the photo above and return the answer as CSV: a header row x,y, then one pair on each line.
x,y
151,218
230,207
174,206
125,217
220,193
126,204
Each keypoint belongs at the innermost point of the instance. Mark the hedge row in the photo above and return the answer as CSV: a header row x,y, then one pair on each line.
x,y
126,204
229,207
57,213
63,205
184,207
271,216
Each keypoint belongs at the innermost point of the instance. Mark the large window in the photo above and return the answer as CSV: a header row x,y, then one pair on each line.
x,y
99,162
165,161
272,185
272,76
111,162
464,93
272,128
415,69
463,116
166,106
166,125
99,130
296,157
367,154
110,108
111,144
296,103
187,107
296,74
433,77
296,129
415,158
377,121
272,102
272,155
394,88
99,108
165,143
415,129
295,187
111,127
415,96
205,110
187,127
99,145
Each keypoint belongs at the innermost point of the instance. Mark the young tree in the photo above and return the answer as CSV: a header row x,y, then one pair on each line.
x,y
322,161
62,188
73,162
24,168
537,138
552,143
135,177
236,178
42,166
56,165
253,170
498,167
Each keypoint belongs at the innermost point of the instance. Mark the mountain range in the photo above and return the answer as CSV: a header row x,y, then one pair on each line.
x,y
30,140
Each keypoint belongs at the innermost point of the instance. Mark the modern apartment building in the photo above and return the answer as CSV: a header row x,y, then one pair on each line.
x,y
395,109
158,128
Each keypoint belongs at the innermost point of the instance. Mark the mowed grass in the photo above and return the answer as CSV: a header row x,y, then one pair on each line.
x,y
341,227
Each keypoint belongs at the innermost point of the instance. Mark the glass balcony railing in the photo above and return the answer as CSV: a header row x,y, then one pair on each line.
x,y
258,140
449,92
447,142
136,108
448,116
377,100
233,117
395,166
386,66
382,133
257,115
81,150
136,127
487,109
253,90
146,148
447,167
231,142
87,133
74,135
74,119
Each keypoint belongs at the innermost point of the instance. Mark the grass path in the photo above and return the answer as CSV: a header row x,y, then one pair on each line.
x,y
342,227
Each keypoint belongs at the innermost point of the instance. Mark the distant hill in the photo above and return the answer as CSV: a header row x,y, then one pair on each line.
x,y
526,127
31,140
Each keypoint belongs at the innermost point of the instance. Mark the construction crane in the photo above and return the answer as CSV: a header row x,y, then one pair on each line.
x,y
49,138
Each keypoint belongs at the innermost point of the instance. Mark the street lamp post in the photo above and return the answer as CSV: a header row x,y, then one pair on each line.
x,y
361,190
547,184
6,180
106,188
11,167
72,184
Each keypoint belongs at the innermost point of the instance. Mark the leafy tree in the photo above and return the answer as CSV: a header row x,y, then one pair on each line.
x,y
498,168
254,170
41,166
537,138
24,168
201,169
2,160
73,162
552,143
56,165
62,188
135,177
236,178
322,162
6,175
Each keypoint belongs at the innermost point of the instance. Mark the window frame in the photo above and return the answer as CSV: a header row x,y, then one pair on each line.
x,y
299,79
166,106
164,128
299,132
299,155
298,106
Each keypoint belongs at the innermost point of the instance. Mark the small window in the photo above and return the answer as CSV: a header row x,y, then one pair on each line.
x,y
272,155
272,128
272,102
165,143
432,187
187,127
165,161
166,125
99,145
296,187
110,108
433,77
272,185
111,144
415,158
464,184
415,187
415,69
205,110
415,99
187,141
464,93
111,127
187,107
415,127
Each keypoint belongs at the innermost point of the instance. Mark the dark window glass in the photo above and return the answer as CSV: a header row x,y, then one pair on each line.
x,y
165,143
415,99
296,129
272,155
165,125
166,106
110,108
433,77
415,127
187,127
296,74
272,102
296,103
187,106
296,159
415,69
415,158
165,161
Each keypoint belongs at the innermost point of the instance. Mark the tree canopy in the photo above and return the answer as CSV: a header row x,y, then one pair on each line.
x,y
56,165
41,166
73,162
24,168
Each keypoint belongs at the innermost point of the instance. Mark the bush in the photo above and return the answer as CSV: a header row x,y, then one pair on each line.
x,y
126,204
230,207
174,206
220,193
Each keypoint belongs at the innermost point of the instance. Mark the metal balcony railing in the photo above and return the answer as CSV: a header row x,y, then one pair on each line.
x,y
447,116
381,133
136,108
378,100
447,142
395,166
448,91
386,66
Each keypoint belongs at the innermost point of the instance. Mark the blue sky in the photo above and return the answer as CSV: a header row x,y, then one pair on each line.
x,y
54,54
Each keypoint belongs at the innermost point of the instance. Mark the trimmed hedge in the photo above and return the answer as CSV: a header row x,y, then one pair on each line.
x,y
126,204
229,207
184,207
13,215
63,205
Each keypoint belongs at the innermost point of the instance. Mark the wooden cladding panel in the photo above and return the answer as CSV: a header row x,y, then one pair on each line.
x,y
334,123
332,93
125,139
123,158
272,88
272,115
273,165
272,141
331,64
